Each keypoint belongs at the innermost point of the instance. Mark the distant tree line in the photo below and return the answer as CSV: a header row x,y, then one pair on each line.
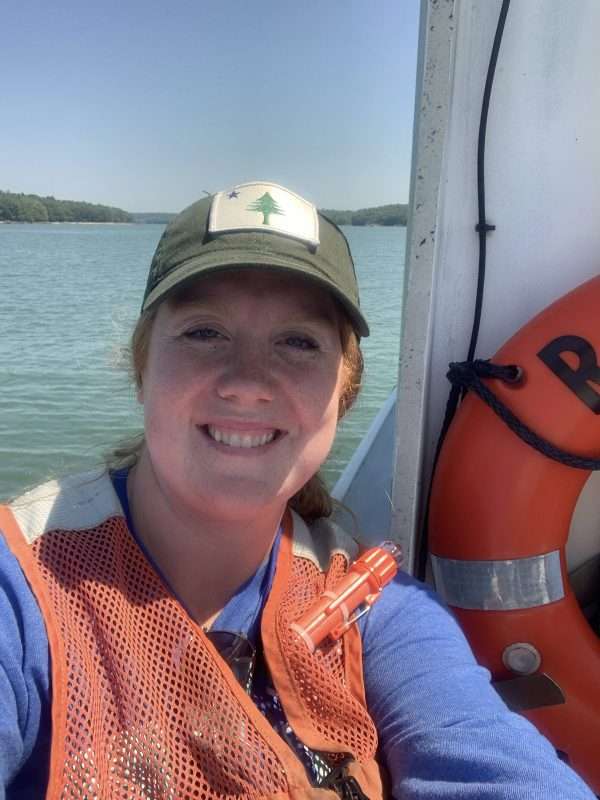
x,y
32,208
394,214
153,217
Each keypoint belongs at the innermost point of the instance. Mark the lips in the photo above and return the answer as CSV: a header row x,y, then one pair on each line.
x,y
243,439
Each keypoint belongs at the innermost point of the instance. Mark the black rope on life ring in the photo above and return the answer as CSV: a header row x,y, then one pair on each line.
x,y
468,375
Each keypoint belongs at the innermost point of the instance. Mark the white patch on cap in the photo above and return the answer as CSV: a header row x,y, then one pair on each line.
x,y
264,207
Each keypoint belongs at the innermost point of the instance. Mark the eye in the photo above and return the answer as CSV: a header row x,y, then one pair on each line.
x,y
203,334
301,342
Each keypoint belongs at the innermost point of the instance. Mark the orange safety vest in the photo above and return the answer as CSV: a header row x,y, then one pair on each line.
x,y
143,706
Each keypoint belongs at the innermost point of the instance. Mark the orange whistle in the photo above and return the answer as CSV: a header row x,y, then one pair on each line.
x,y
334,612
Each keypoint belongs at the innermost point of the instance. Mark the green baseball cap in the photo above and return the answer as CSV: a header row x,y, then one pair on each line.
x,y
255,225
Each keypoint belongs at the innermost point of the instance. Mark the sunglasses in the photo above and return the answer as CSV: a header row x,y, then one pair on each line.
x,y
239,654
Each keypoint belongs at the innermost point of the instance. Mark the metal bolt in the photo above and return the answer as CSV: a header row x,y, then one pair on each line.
x,y
521,658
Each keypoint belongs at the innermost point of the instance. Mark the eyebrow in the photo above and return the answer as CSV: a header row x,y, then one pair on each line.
x,y
306,313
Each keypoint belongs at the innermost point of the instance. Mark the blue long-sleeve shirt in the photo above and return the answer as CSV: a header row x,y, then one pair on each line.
x,y
444,733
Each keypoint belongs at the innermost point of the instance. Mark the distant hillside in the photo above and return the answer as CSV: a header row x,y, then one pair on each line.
x,y
152,217
394,214
32,208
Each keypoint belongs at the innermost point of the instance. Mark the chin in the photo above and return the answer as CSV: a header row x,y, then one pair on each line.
x,y
239,500
242,498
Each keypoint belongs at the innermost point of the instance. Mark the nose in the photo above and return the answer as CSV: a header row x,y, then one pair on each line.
x,y
247,376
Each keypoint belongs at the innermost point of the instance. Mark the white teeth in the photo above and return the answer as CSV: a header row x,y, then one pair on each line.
x,y
239,439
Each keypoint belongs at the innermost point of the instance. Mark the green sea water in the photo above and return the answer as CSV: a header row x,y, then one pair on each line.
x,y
69,296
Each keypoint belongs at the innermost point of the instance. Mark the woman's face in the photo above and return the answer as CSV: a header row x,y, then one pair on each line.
x,y
241,390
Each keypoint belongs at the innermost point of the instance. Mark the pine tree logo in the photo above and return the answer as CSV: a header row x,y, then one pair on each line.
x,y
267,206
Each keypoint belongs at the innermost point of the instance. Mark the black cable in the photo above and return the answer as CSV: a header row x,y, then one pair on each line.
x,y
483,228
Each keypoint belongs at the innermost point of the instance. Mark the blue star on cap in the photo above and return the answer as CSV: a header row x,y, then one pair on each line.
x,y
233,194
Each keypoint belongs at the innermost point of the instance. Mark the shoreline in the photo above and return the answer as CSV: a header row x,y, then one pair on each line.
x,y
68,222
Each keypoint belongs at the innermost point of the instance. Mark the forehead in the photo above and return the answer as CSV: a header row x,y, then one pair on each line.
x,y
275,287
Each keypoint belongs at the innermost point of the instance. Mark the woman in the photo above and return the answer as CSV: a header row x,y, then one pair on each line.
x,y
163,592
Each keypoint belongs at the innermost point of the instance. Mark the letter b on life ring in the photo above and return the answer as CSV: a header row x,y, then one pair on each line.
x,y
576,379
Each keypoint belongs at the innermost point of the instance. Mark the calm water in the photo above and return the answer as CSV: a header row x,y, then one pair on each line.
x,y
69,295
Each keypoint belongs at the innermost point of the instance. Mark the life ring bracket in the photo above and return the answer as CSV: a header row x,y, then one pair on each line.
x,y
528,692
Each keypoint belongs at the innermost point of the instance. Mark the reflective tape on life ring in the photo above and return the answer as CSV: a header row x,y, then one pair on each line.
x,y
499,585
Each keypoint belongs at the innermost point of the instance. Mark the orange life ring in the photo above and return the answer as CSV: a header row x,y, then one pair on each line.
x,y
499,521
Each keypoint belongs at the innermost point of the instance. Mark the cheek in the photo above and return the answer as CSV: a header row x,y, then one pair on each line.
x,y
161,391
168,372
322,402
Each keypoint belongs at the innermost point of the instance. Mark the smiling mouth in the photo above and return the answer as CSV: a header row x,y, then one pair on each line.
x,y
239,439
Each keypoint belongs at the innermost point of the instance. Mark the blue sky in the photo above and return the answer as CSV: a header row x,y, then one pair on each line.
x,y
144,105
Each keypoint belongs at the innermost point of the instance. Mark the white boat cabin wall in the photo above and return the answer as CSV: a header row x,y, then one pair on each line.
x,y
541,173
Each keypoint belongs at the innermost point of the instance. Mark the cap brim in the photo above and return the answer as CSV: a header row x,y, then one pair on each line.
x,y
202,265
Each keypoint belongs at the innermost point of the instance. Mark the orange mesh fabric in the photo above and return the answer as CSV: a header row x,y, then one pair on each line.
x,y
152,711
325,712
